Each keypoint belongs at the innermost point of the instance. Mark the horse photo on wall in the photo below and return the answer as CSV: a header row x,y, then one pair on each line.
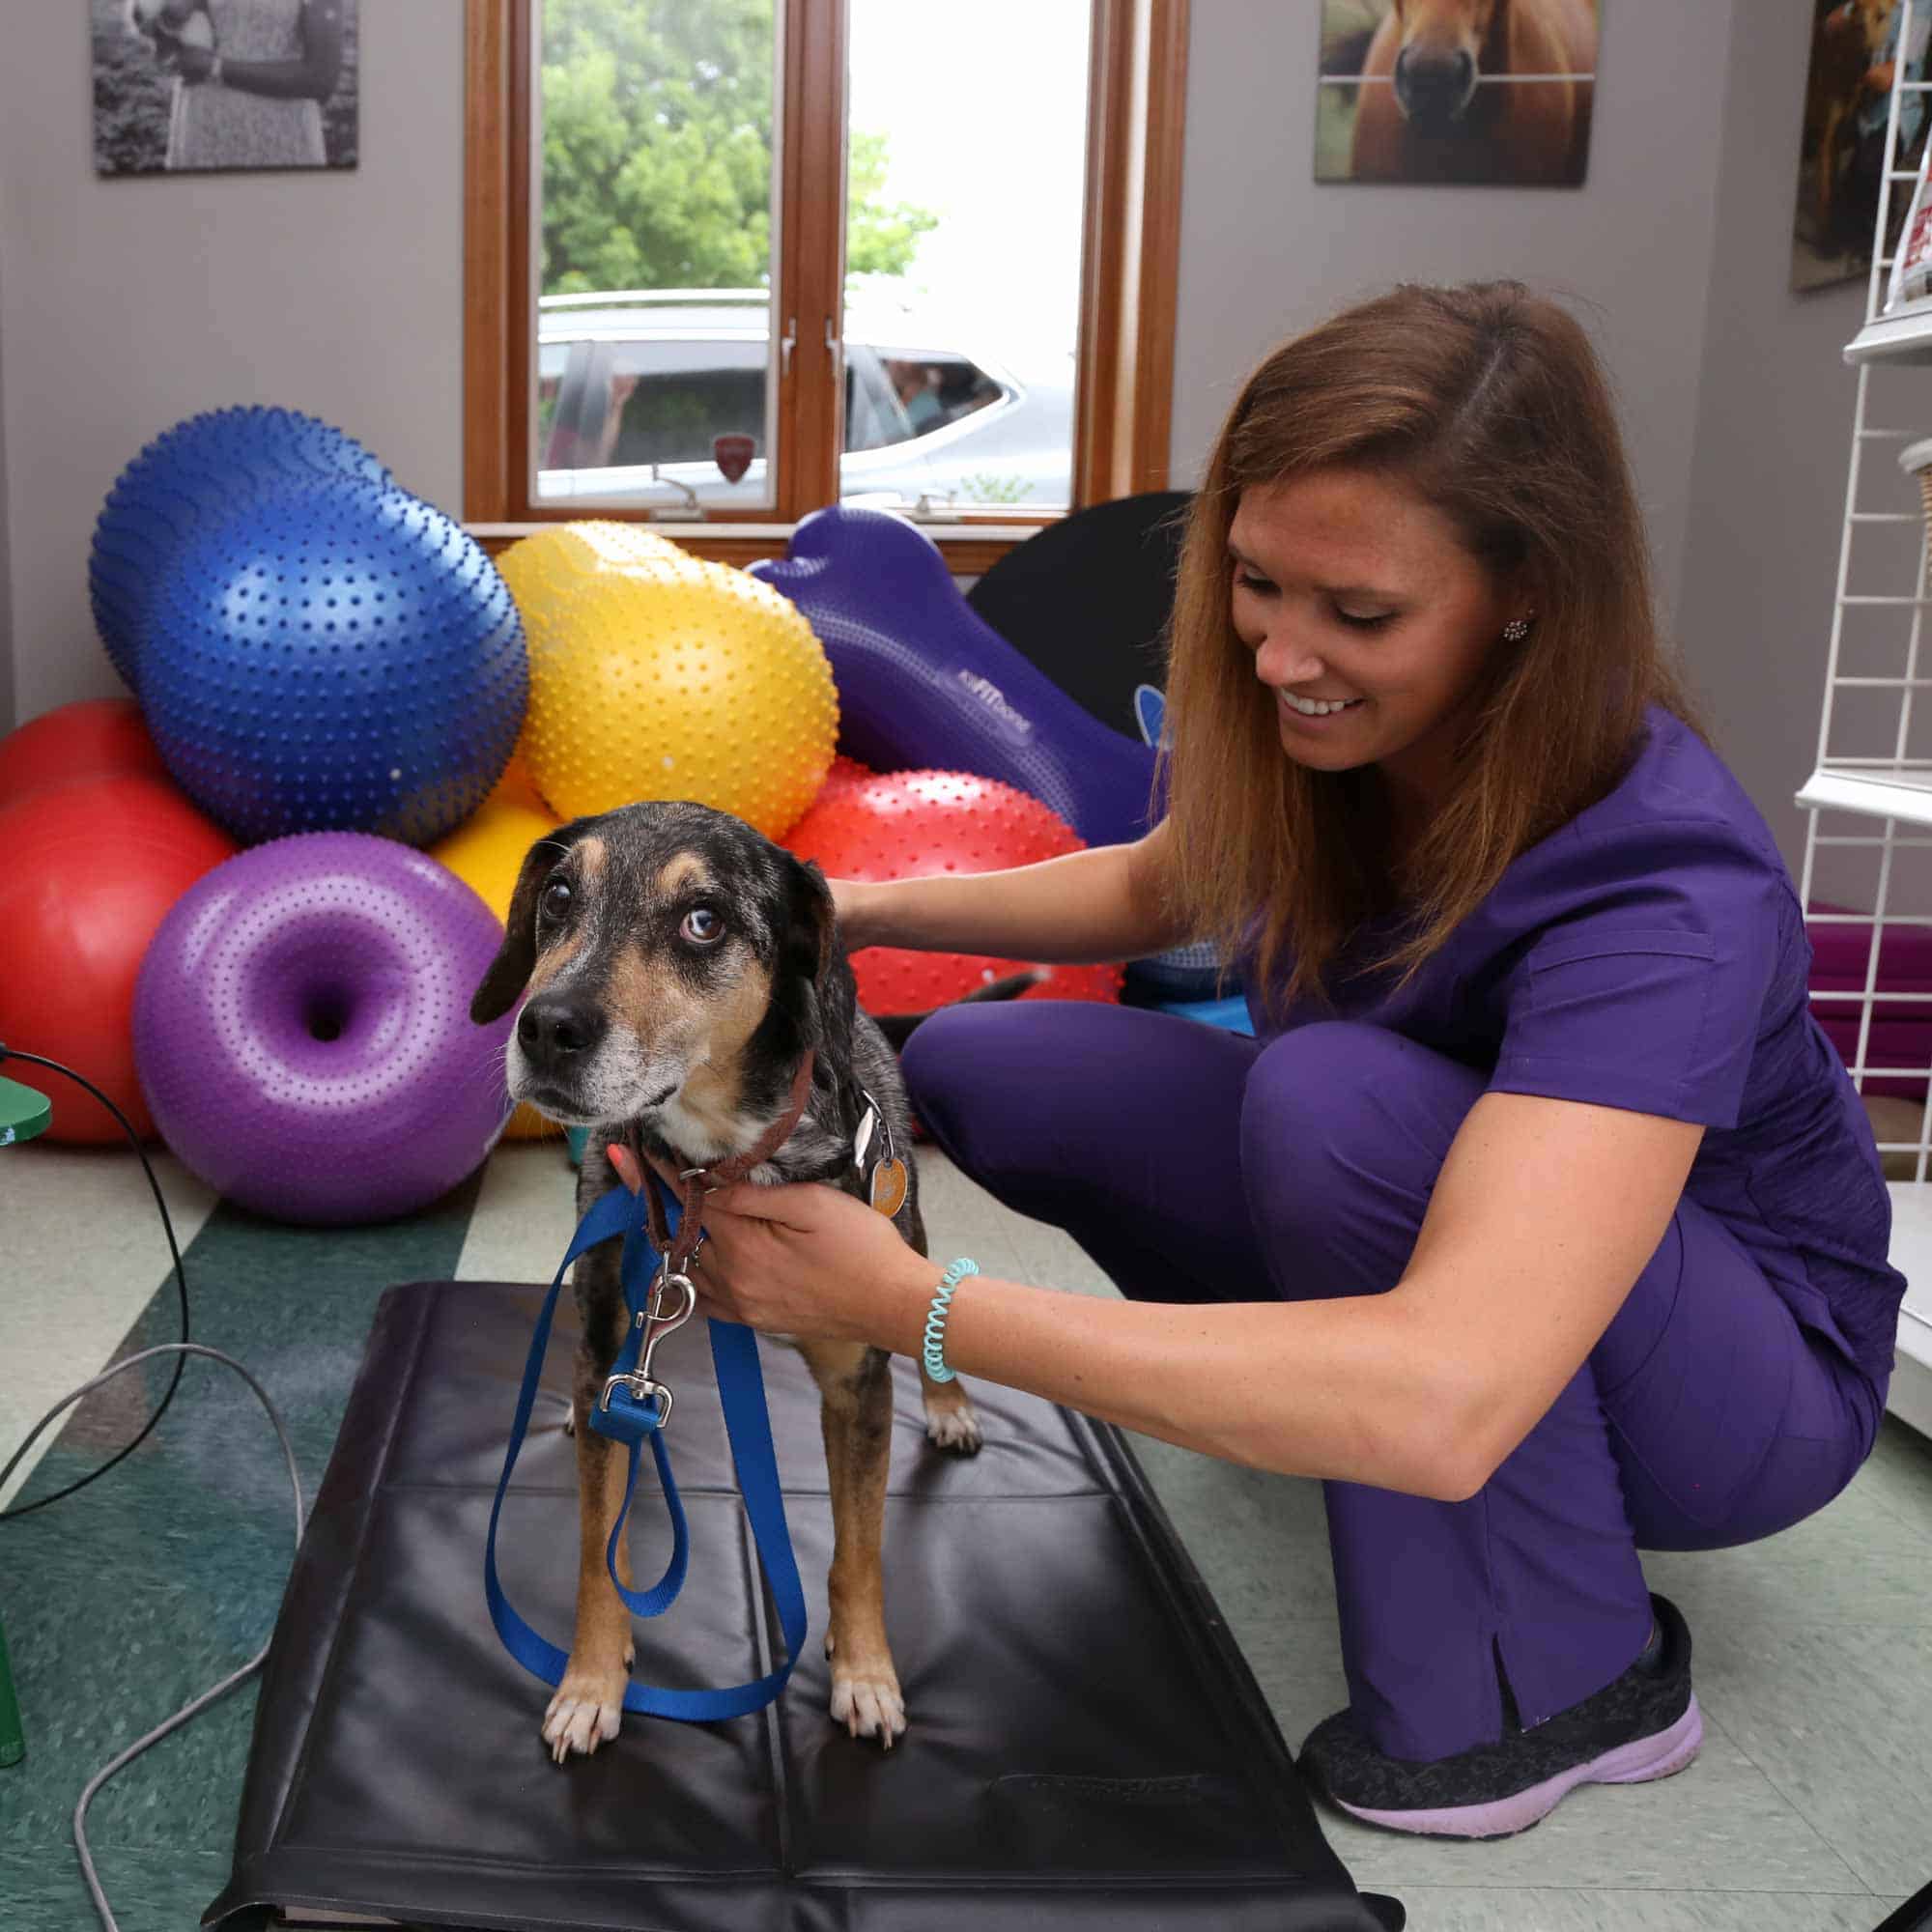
x,y
1488,92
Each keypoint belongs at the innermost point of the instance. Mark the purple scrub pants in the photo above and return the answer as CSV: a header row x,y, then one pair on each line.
x,y
1197,1165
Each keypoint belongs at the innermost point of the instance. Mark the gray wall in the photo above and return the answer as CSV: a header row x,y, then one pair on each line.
x,y
1773,443
1265,250
125,305
1676,252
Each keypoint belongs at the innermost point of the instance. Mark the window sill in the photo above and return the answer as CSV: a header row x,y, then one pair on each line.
x,y
968,548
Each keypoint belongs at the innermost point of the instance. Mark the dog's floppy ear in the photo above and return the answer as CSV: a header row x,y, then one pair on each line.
x,y
813,937
510,971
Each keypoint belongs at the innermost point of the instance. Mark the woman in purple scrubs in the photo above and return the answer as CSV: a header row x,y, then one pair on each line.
x,y
1540,1219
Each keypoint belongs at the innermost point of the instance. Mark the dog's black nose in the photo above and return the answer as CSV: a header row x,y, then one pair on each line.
x,y
550,1029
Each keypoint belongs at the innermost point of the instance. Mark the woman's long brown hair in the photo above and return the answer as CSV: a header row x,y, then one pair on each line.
x,y
1489,402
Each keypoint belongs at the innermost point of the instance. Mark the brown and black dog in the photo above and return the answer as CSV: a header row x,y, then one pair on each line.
x,y
679,967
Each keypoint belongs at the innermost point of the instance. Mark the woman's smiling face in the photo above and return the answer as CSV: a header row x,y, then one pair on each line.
x,y
1347,584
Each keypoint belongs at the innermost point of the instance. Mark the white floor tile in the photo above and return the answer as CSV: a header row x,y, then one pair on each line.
x,y
525,1214
1480,1908
1898,1475
84,1252
1839,1720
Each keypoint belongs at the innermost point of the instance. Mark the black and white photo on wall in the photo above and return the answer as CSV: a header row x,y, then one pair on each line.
x,y
198,86
1491,92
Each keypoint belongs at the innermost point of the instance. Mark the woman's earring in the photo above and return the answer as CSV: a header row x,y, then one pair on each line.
x,y
1516,630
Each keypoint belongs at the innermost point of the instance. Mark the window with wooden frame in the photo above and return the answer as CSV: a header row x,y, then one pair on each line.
x,y
681,300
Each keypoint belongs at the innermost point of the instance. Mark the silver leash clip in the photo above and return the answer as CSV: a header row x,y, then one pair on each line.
x,y
657,1322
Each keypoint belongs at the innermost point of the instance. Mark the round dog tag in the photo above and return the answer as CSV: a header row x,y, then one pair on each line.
x,y
889,1186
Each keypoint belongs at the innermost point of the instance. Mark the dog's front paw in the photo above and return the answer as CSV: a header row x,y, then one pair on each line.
x,y
867,1701
952,1422
586,1710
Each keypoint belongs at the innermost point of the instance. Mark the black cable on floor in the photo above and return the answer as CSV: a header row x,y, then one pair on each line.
x,y
174,1248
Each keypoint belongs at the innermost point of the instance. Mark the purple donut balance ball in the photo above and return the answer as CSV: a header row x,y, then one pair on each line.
x,y
302,1031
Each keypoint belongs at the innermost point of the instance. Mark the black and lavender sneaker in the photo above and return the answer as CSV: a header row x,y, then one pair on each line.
x,y
1645,1726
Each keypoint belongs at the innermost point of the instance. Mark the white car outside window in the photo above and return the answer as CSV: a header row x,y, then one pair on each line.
x,y
634,390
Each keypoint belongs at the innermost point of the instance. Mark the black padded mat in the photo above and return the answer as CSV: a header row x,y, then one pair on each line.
x,y
1086,1747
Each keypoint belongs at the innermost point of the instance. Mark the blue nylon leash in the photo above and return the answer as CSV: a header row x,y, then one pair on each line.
x,y
629,1418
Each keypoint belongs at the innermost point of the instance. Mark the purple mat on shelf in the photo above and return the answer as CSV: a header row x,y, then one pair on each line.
x,y
1902,1029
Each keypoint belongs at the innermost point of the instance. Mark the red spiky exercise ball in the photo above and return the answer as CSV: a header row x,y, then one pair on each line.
x,y
903,825
844,775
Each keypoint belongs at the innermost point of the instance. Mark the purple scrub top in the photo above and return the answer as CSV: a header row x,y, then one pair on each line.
x,y
1652,955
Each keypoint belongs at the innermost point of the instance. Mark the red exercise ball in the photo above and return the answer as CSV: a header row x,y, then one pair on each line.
x,y
903,825
97,737
845,773
92,867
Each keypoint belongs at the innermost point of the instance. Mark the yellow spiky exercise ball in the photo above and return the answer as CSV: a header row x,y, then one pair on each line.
x,y
657,674
552,566
556,560
485,852
518,789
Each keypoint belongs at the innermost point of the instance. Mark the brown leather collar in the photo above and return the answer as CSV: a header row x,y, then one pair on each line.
x,y
694,1182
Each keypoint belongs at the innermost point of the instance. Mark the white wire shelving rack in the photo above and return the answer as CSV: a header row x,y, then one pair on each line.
x,y
1868,838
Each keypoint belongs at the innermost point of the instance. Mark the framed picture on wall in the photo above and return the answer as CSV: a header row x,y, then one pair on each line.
x,y
1841,151
1460,90
194,86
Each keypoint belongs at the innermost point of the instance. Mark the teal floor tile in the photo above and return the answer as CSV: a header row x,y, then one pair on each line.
x,y
148,1891
127,1600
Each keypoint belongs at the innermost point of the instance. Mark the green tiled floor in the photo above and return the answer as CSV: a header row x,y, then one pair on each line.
x,y
127,1600
1806,1811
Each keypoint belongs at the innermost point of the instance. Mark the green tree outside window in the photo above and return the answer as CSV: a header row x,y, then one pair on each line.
x,y
657,152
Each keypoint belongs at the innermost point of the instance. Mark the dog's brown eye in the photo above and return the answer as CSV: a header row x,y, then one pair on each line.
x,y
555,901
703,926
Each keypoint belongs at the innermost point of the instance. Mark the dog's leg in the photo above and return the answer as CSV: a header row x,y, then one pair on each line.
x,y
589,1702
951,1423
857,1386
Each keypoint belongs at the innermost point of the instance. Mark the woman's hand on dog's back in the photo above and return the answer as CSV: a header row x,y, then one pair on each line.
x,y
803,1259
1093,907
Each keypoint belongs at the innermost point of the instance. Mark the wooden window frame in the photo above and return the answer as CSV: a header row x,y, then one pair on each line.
x,y
1130,246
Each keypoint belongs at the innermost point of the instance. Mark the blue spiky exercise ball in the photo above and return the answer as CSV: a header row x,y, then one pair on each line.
x,y
203,468
331,654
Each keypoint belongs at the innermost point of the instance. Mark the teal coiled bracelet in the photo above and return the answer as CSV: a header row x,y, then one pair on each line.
x,y
935,1321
